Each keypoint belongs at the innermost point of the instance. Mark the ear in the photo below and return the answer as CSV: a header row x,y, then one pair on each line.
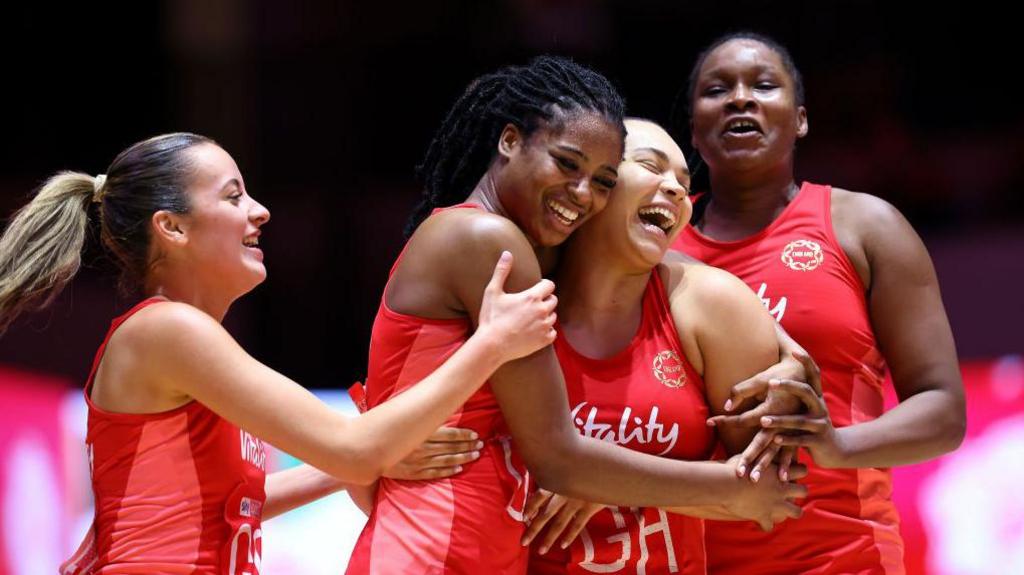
x,y
168,229
801,122
509,140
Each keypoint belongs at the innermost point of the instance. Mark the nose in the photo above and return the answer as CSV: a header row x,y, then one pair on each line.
x,y
671,187
580,192
741,97
259,214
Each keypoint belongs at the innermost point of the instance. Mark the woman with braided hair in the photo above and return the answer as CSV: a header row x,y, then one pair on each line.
x,y
177,409
525,156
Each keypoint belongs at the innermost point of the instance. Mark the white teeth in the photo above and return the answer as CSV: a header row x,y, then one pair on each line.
x,y
670,218
741,124
567,214
251,242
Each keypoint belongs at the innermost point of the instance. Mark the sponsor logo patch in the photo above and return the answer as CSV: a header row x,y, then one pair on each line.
x,y
668,369
802,255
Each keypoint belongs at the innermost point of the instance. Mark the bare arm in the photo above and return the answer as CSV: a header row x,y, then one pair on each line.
x,y
914,335
221,375
295,487
915,338
442,455
734,335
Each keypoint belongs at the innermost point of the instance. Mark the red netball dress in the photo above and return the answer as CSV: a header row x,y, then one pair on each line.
x,y
648,398
179,491
469,523
800,272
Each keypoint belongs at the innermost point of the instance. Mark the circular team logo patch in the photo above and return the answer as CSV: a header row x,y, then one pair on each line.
x,y
668,369
802,255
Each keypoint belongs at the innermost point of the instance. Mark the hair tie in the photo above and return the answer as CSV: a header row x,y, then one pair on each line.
x,y
97,188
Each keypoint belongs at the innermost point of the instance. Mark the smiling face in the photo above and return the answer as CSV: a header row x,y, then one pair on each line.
x,y
218,238
745,114
650,204
559,176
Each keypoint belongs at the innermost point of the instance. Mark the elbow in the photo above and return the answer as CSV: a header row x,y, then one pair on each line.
x,y
547,463
552,477
954,425
956,429
356,463
363,477
361,471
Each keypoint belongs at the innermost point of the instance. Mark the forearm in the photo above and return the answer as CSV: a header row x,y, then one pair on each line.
x,y
716,512
925,425
393,429
296,487
598,471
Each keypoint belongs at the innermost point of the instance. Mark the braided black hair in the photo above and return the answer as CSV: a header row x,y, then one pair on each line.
x,y
524,96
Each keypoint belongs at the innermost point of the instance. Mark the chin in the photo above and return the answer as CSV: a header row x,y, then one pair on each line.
x,y
648,253
548,238
253,279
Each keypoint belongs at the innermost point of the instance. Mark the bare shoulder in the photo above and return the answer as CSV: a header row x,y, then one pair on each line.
x,y
143,361
675,256
703,284
450,258
162,327
864,213
467,233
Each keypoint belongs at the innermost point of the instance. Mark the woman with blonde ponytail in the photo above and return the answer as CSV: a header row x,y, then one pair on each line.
x,y
177,409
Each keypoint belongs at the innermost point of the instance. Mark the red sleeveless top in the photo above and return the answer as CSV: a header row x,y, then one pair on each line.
x,y
648,398
469,523
800,272
179,491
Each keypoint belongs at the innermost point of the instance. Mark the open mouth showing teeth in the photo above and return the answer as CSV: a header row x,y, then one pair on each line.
x,y
251,242
661,218
565,215
742,127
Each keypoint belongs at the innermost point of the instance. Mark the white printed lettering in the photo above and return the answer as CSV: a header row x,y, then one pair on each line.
x,y
620,538
252,449
780,308
630,429
252,553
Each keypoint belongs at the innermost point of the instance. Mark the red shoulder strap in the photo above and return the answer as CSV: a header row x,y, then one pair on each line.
x,y
113,327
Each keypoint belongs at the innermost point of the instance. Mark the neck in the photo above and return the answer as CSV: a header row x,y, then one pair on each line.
x,y
485,193
596,296
185,287
744,203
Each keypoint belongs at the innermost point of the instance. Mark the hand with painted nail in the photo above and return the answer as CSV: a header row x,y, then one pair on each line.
x,y
812,430
443,454
796,366
564,518
763,450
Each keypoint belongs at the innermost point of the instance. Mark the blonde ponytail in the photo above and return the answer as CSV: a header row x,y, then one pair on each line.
x,y
42,247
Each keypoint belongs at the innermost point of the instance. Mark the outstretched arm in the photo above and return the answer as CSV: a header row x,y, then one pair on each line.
x,y
220,374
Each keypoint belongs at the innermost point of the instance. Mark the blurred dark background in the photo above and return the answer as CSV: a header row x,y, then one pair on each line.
x,y
327,108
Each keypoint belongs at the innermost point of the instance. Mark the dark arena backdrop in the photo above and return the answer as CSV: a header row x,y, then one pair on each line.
x,y
327,108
